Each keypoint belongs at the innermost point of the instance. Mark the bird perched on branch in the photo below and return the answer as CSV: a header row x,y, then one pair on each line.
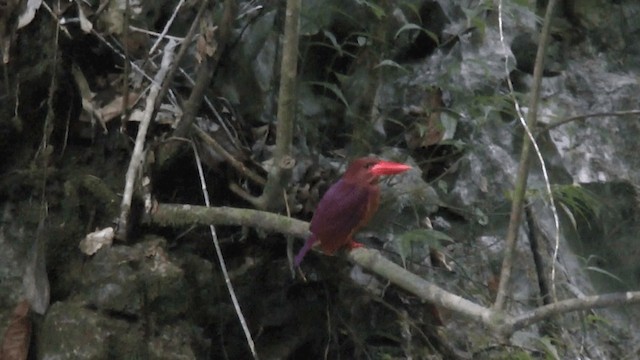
x,y
348,205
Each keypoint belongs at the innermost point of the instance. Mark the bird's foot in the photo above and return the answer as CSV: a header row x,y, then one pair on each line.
x,y
354,245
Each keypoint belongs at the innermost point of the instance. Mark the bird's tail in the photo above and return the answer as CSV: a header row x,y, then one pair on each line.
x,y
305,249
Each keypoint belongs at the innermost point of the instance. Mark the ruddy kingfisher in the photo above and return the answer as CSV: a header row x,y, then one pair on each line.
x,y
348,205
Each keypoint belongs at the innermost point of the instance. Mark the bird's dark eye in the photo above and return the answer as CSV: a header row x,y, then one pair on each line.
x,y
369,165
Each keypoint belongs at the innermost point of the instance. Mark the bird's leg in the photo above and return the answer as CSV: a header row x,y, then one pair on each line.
x,y
354,244
305,249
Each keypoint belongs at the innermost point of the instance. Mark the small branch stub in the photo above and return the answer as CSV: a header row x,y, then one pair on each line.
x,y
287,163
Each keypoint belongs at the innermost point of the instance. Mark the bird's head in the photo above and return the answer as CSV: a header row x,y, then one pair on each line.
x,y
369,170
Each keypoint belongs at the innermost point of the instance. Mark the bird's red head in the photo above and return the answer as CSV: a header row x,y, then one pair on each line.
x,y
369,170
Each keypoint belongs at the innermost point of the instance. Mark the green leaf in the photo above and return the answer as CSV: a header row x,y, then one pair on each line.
x,y
572,218
481,217
422,238
449,123
405,27
411,26
333,88
333,40
605,272
377,10
391,63
550,350
523,3
576,201
442,185
314,16
596,319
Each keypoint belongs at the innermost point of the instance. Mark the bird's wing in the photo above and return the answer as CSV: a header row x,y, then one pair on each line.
x,y
341,211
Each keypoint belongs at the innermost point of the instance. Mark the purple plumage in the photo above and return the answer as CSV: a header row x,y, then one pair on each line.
x,y
339,215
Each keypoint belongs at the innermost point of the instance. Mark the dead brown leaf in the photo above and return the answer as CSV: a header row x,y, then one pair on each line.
x,y
427,129
206,44
114,108
15,344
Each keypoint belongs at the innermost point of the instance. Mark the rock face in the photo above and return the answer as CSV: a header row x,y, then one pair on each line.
x,y
126,294
427,80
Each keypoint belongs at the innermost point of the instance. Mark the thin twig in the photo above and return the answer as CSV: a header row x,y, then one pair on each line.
x,y
59,21
283,162
157,34
184,47
133,65
238,165
587,116
167,26
221,119
206,70
569,305
223,265
137,158
240,192
36,281
127,69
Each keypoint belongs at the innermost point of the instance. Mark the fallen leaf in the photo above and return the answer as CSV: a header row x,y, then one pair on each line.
x,y
85,24
96,240
438,259
29,13
15,344
114,108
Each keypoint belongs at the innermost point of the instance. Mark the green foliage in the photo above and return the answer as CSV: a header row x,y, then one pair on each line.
x,y
421,238
549,348
459,145
475,16
520,355
576,200
332,38
412,26
594,319
333,88
315,15
392,64
443,186
377,10
605,272
480,216
500,103
599,270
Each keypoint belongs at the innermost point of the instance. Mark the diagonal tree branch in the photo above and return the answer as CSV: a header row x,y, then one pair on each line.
x,y
517,203
137,158
283,162
498,321
587,116
561,307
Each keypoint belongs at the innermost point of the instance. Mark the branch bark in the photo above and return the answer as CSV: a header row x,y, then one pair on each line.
x,y
238,165
206,70
561,307
137,158
500,322
184,47
587,116
283,162
203,77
